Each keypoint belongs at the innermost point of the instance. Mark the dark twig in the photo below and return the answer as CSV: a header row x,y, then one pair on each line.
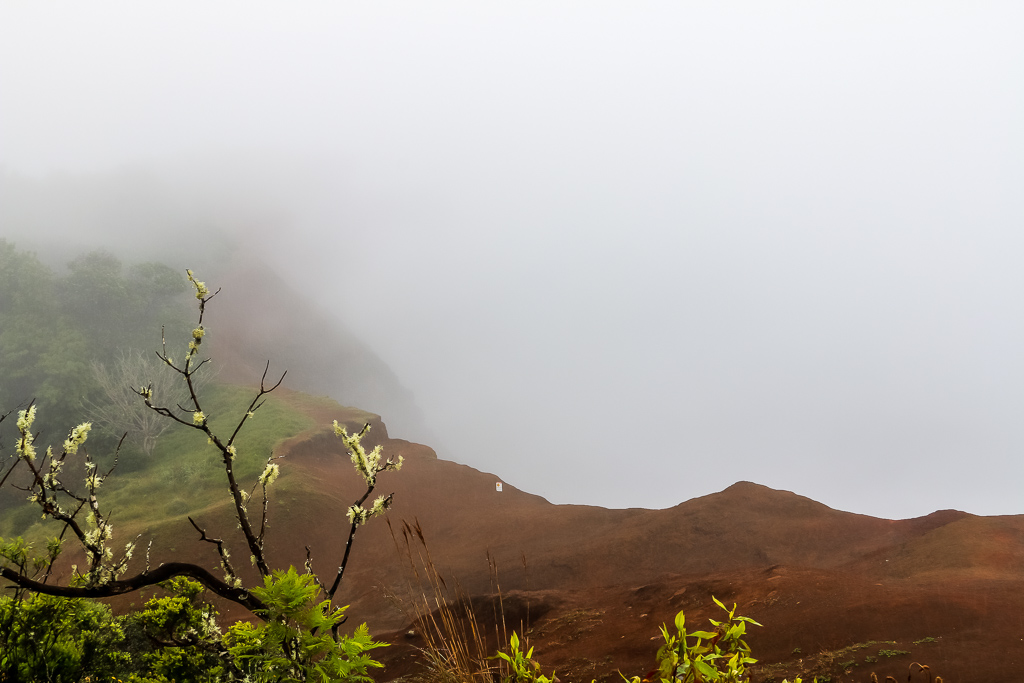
x,y
225,560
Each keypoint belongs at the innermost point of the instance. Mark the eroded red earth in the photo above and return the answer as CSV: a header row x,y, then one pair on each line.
x,y
840,595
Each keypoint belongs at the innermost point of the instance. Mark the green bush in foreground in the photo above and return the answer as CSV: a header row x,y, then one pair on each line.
x,y
297,641
721,655
47,638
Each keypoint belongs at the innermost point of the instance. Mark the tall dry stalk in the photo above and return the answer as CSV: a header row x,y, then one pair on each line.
x,y
456,648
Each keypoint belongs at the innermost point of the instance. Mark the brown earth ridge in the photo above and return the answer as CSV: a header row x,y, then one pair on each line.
x,y
840,595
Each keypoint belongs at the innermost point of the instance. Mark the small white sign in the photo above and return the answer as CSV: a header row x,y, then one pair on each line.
x,y
497,487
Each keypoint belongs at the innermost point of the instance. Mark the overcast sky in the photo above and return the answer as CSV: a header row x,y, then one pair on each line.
x,y
623,254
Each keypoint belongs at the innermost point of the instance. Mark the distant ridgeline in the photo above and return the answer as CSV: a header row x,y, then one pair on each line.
x,y
62,334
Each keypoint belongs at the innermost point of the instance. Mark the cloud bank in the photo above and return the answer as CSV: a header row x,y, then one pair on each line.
x,y
621,255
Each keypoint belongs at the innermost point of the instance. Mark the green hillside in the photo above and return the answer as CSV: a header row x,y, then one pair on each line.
x,y
185,473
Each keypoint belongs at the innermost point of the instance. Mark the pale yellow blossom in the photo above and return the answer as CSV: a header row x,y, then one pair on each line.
x,y
270,474
26,418
77,437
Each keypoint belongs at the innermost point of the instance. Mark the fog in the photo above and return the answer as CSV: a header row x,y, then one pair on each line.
x,y
622,254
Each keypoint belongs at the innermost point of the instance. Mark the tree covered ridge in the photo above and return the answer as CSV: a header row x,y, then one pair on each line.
x,y
55,325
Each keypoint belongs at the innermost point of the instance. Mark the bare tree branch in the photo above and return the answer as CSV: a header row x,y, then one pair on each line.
x,y
164,572
225,560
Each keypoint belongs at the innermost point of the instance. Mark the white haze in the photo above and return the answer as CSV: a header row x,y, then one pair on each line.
x,y
623,254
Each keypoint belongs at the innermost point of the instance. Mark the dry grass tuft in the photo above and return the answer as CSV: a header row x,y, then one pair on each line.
x,y
457,647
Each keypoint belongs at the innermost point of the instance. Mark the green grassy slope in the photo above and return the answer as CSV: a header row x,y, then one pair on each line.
x,y
185,474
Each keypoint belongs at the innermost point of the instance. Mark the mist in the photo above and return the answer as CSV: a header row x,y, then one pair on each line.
x,y
619,255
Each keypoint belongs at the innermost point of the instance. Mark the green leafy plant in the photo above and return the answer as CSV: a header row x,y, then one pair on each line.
x,y
49,638
298,639
721,655
179,635
717,656
522,667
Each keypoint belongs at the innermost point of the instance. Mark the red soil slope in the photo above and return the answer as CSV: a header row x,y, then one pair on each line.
x,y
839,594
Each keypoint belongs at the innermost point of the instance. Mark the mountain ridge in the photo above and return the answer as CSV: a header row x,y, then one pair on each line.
x,y
786,559
591,585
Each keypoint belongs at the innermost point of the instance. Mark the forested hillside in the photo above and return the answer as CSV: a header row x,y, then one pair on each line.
x,y
62,331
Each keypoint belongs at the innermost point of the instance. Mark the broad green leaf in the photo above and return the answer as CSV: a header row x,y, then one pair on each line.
x,y
706,670
680,621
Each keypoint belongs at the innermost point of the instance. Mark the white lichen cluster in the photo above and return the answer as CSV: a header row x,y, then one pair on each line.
x,y
197,339
97,531
270,474
102,567
50,479
380,505
25,446
225,564
359,515
367,464
77,437
26,418
97,537
201,291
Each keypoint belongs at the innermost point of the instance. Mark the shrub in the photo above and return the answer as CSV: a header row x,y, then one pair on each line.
x,y
721,655
49,638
